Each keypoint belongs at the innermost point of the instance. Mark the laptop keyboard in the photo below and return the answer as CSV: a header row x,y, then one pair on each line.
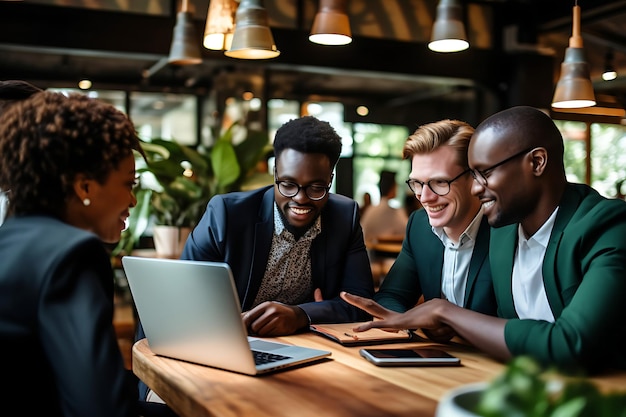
x,y
261,358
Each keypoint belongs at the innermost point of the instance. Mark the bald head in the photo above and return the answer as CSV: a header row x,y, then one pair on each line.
x,y
517,159
523,127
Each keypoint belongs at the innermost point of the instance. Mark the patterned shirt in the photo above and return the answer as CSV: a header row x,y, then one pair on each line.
x,y
287,276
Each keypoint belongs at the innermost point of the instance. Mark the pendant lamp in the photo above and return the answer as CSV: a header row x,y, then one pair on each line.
x,y
185,49
252,38
448,33
331,25
220,24
574,89
609,70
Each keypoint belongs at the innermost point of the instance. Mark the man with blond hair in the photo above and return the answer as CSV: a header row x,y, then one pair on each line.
x,y
445,250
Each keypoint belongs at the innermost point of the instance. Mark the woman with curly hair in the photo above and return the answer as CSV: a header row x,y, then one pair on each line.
x,y
69,164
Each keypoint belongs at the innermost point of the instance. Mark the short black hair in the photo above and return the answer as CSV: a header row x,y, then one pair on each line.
x,y
308,134
15,90
387,182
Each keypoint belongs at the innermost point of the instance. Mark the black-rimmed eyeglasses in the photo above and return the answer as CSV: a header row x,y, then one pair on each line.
x,y
481,176
290,189
438,186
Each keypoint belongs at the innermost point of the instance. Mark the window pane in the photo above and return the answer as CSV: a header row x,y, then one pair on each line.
x,y
165,116
116,98
575,149
608,158
378,148
279,112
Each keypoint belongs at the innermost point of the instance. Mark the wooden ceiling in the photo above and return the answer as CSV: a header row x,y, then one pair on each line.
x,y
56,46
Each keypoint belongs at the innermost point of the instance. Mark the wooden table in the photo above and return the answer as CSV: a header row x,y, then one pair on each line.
x,y
343,385
386,249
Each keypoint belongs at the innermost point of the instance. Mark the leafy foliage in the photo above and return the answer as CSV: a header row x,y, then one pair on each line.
x,y
176,181
525,390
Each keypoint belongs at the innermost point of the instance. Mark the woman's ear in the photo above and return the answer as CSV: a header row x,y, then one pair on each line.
x,y
81,186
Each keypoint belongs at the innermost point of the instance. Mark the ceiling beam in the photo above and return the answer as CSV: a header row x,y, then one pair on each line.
x,y
82,31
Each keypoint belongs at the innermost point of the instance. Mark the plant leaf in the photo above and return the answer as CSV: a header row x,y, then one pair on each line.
x,y
225,166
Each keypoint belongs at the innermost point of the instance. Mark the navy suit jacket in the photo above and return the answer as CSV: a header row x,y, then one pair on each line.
x,y
417,270
237,228
56,322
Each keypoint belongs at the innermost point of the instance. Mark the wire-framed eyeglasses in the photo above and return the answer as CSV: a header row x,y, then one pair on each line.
x,y
290,189
438,186
481,176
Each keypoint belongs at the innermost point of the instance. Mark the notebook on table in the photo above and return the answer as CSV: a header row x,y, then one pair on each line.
x,y
190,311
342,333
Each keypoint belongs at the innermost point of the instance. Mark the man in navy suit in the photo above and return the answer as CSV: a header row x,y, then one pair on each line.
x,y
293,246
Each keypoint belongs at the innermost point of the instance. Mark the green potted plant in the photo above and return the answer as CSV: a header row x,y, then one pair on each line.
x,y
525,389
177,181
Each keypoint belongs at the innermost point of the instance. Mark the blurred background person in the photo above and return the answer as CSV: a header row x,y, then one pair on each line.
x,y
367,202
384,223
384,219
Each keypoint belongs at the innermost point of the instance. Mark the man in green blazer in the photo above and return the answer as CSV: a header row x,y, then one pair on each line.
x,y
557,254
444,252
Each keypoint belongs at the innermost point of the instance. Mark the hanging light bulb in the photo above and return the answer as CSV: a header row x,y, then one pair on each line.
x,y
220,24
331,25
609,71
574,89
252,38
185,49
448,33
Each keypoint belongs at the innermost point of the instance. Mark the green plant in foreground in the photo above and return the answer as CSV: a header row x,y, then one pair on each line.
x,y
525,390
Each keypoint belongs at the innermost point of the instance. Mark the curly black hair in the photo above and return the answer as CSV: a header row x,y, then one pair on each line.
x,y
308,135
49,138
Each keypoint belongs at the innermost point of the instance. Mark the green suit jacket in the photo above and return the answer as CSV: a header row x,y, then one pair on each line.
x,y
584,273
417,270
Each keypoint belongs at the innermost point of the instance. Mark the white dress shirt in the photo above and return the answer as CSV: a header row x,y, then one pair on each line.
x,y
529,293
456,260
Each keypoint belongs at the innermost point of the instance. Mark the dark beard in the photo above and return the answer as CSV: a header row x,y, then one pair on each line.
x,y
297,232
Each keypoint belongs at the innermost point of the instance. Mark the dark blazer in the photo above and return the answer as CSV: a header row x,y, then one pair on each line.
x,y
58,350
584,273
237,228
417,270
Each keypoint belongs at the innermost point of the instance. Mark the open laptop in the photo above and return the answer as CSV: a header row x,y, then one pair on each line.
x,y
189,310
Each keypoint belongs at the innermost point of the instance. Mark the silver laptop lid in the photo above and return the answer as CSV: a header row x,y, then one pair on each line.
x,y
189,311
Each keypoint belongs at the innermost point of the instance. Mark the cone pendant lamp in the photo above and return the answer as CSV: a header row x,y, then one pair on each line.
x,y
448,33
331,25
220,24
185,48
252,38
574,89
